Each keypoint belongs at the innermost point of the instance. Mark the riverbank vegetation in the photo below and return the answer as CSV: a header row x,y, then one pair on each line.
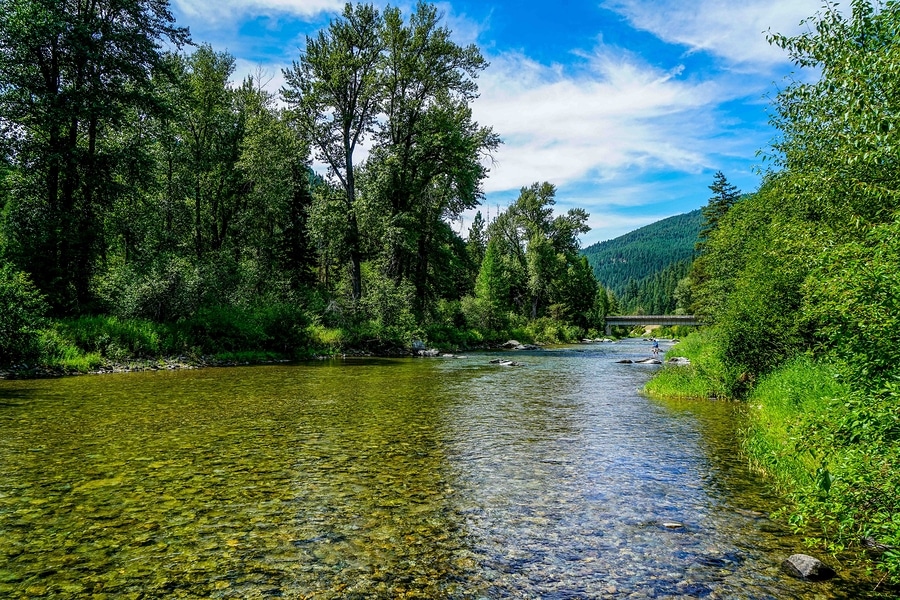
x,y
800,285
151,206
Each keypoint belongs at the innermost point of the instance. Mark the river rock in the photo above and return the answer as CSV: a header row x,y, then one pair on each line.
x,y
429,353
678,360
649,361
807,567
511,344
505,363
625,361
527,347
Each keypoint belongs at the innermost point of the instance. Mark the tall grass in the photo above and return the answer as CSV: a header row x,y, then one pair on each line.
x,y
706,376
780,408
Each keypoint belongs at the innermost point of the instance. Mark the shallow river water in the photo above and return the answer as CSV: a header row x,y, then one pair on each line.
x,y
406,478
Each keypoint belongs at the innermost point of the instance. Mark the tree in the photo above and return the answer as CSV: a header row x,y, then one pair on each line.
x,y
21,311
725,195
839,132
211,129
477,239
276,178
70,74
334,93
428,152
492,289
537,247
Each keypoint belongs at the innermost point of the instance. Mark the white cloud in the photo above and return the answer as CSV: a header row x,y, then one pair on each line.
x,y
228,10
269,76
619,115
728,29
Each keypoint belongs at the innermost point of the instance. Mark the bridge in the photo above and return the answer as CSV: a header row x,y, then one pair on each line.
x,y
632,320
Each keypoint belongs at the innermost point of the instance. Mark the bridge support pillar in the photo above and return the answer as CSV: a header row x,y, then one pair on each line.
x,y
608,330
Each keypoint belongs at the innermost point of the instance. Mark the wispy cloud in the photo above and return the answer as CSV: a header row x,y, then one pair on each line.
x,y
619,113
229,10
731,30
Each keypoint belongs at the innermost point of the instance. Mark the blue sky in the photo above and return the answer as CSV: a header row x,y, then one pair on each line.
x,y
628,106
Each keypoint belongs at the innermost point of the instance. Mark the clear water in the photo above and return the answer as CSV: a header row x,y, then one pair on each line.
x,y
407,478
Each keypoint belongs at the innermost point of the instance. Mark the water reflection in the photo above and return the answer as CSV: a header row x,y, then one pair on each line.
x,y
387,478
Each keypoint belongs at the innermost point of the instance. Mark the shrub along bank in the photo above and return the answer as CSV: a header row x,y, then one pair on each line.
x,y
831,447
227,335
799,284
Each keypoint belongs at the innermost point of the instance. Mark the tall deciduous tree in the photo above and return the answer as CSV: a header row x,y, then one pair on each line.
x,y
334,92
70,73
539,249
429,149
840,131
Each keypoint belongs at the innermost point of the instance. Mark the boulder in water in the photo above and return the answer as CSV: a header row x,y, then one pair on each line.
x,y
807,567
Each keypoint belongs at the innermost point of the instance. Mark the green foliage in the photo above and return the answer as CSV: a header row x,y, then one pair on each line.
x,y
780,406
725,195
536,255
656,293
853,297
388,306
708,376
112,337
488,309
61,353
22,310
809,265
834,449
71,78
551,331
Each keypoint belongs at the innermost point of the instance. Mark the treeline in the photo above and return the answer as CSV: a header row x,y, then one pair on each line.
x,y
139,183
656,294
801,285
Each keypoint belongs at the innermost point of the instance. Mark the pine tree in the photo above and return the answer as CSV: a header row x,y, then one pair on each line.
x,y
724,197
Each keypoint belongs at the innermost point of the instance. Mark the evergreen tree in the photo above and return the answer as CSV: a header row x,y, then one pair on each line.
x,y
724,197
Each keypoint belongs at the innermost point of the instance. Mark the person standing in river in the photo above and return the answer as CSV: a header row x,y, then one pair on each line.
x,y
655,347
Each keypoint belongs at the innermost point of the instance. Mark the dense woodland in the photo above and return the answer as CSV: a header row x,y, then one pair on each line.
x,y
800,283
152,205
642,268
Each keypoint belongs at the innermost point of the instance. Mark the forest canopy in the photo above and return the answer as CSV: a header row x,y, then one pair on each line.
x,y
139,181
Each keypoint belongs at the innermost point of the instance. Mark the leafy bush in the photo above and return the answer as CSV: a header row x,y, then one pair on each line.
x,y
22,310
217,329
852,495
284,326
854,298
169,290
388,304
57,351
112,337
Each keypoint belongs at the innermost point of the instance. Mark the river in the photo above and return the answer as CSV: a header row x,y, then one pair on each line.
x,y
386,478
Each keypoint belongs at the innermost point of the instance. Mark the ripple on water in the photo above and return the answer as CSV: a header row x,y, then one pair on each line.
x,y
383,479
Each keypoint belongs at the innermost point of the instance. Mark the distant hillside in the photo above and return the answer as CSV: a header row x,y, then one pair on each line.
x,y
644,252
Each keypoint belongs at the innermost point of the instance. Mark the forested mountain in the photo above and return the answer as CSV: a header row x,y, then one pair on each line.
x,y
643,267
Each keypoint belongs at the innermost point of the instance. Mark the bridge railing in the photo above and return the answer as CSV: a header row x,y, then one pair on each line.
x,y
665,320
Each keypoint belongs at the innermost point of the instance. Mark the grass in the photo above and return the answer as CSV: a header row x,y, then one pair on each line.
x,y
705,377
780,407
